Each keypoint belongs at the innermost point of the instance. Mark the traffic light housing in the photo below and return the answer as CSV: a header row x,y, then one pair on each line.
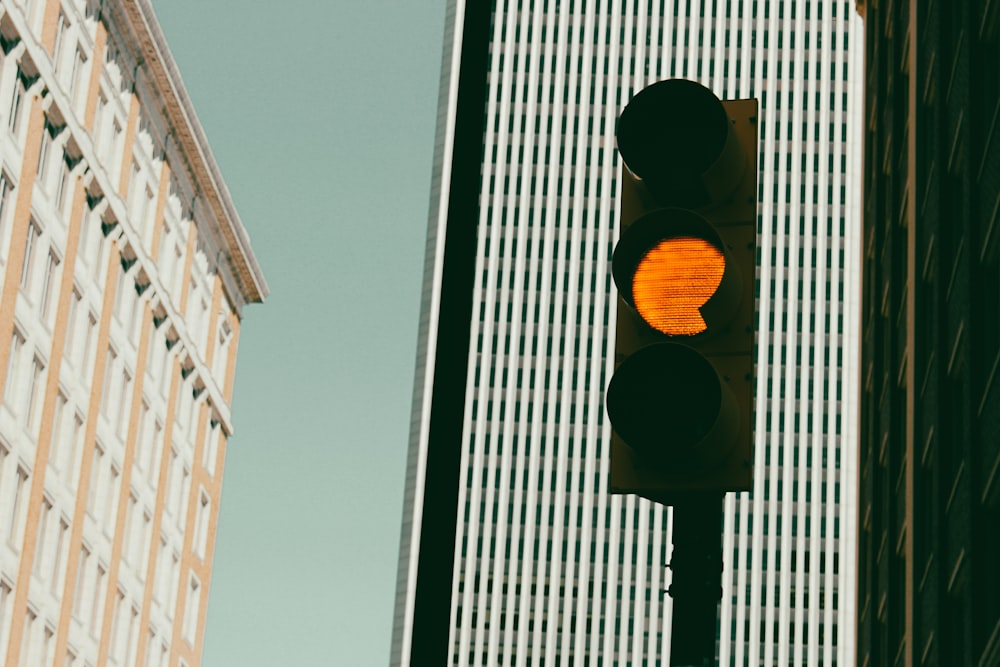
x,y
681,399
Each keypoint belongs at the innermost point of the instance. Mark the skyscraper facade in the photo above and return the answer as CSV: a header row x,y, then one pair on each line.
x,y
549,568
124,270
928,584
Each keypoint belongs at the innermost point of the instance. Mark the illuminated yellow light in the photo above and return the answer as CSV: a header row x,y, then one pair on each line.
x,y
673,281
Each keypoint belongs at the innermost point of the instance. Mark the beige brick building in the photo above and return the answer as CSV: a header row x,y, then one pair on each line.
x,y
124,270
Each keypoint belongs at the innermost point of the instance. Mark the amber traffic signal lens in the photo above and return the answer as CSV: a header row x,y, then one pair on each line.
x,y
673,281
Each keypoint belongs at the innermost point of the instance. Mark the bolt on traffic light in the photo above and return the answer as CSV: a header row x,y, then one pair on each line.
x,y
681,399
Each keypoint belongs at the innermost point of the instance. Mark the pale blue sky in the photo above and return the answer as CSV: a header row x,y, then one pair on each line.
x,y
321,116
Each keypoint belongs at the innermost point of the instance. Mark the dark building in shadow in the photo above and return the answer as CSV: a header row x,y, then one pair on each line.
x,y
929,468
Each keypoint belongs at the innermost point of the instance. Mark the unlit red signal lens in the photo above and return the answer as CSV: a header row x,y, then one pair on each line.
x,y
674,280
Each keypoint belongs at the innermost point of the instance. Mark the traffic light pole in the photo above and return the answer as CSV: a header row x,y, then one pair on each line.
x,y
696,589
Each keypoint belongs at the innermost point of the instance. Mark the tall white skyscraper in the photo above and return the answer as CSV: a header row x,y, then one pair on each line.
x,y
549,568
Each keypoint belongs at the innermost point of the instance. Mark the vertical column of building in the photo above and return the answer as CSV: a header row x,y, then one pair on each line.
x,y
144,644
75,537
27,104
125,520
38,527
85,488
181,640
206,488
112,604
35,514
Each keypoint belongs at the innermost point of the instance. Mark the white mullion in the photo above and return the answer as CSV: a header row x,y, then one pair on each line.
x,y
494,328
666,51
623,574
668,604
475,562
533,531
656,616
597,605
655,41
852,294
546,606
641,578
567,396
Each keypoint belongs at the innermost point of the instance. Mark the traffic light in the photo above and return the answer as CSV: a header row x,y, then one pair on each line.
x,y
680,400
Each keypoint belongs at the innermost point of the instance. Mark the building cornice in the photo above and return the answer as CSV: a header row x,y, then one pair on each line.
x,y
164,78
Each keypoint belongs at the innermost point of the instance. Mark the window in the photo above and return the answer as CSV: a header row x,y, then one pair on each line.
x,y
44,524
181,506
173,480
129,538
14,110
132,636
29,651
109,364
48,635
19,508
63,184
150,648
124,402
97,600
71,346
153,470
173,582
30,250
90,234
72,437
113,155
143,441
5,189
62,27
13,380
99,122
143,542
5,590
192,608
111,499
96,479
81,581
49,282
119,628
59,558
35,395
221,361
160,579
77,74
124,294
89,349
45,153
140,202
211,446
201,523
